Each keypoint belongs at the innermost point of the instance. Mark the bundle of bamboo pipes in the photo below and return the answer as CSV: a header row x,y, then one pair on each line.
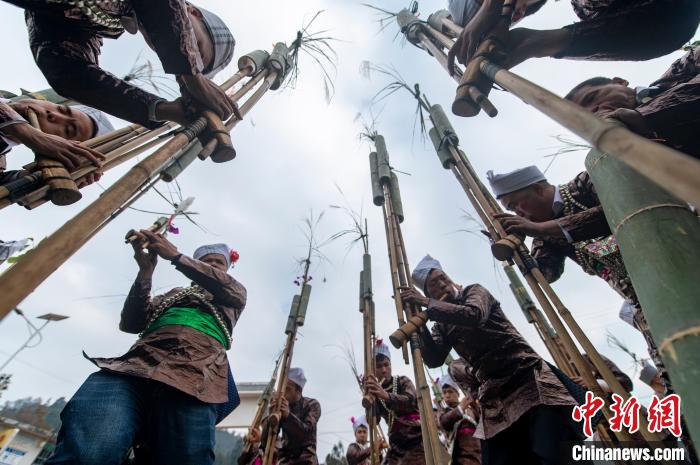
x,y
386,194
675,171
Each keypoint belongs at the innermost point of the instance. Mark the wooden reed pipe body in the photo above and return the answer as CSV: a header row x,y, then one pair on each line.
x,y
402,335
224,148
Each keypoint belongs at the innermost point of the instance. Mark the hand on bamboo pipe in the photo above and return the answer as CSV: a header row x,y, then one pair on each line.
x,y
146,259
514,224
69,153
254,436
208,95
374,388
160,245
464,48
412,296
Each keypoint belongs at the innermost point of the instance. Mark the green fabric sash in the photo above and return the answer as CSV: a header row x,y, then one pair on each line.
x,y
193,318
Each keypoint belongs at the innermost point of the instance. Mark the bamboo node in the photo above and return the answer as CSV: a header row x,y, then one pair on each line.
x,y
624,220
667,344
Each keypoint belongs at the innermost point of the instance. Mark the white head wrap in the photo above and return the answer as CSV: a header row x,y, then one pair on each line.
x,y
422,270
627,312
296,375
462,11
98,118
221,249
502,184
221,38
448,381
382,349
359,422
648,373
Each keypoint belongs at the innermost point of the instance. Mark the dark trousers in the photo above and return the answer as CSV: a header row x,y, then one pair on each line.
x,y
542,436
110,412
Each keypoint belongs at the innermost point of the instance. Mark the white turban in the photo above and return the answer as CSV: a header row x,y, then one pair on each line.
x,y
423,269
627,312
462,11
648,373
382,349
502,184
221,249
99,119
221,38
359,422
296,375
448,381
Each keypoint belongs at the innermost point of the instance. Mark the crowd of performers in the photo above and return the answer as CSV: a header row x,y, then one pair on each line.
x,y
159,403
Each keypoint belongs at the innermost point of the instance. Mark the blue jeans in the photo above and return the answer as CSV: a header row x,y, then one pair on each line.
x,y
110,412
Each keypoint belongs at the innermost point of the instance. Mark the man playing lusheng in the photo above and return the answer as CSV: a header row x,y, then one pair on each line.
x,y
525,412
397,405
608,30
667,111
359,452
192,43
166,390
299,421
458,420
566,221
61,128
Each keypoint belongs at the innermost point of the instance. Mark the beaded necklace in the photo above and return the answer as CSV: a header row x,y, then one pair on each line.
x,y
192,291
394,390
608,265
94,12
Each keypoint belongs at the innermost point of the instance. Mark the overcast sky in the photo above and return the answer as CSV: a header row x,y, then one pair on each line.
x,y
293,150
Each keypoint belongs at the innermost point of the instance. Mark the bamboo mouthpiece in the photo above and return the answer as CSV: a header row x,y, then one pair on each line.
x,y
403,334
224,150
505,248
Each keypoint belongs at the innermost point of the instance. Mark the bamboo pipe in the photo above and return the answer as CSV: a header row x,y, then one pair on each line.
x,y
675,171
224,148
20,280
412,325
245,108
434,452
96,141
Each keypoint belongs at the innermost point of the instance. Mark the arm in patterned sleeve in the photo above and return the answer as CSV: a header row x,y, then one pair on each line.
x,y
298,429
449,419
137,306
588,224
170,33
68,58
435,350
356,455
624,34
222,286
405,398
473,311
550,259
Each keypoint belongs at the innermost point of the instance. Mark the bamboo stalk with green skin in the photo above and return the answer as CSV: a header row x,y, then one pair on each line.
x,y
263,405
435,453
658,237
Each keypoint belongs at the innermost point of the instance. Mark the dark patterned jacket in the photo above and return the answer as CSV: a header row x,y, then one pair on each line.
x,y
66,47
466,449
673,115
619,29
511,377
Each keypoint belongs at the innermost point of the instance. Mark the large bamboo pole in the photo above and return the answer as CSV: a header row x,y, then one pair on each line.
x,y
435,453
658,237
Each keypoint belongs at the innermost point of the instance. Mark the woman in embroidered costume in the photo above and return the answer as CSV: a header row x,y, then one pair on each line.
x,y
174,384
396,404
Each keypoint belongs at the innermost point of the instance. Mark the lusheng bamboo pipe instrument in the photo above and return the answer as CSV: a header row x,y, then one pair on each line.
x,y
20,280
297,314
385,181
675,171
162,225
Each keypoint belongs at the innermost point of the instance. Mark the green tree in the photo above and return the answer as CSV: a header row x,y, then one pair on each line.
x,y
337,455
